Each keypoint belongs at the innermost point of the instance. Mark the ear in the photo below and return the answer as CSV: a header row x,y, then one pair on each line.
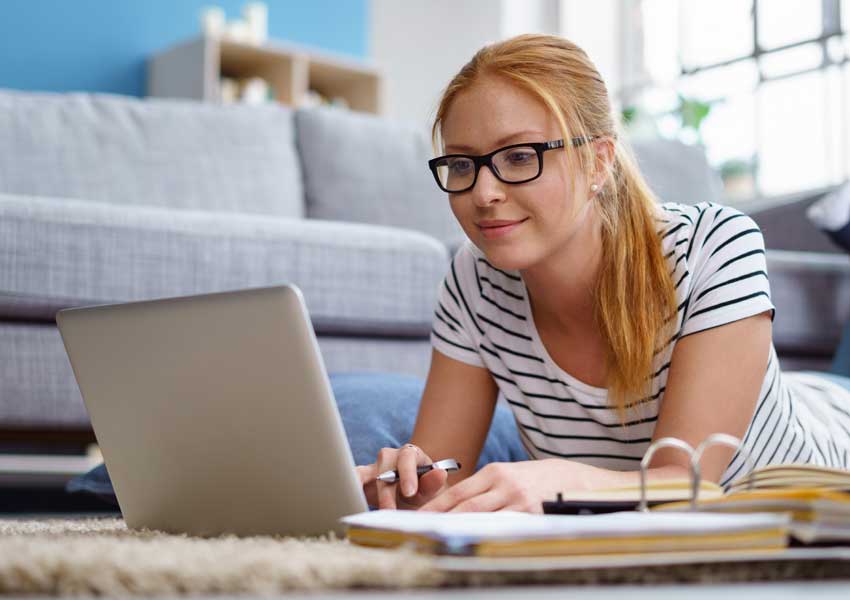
x,y
604,163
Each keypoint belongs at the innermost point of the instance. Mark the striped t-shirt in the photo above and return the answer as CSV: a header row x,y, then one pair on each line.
x,y
717,260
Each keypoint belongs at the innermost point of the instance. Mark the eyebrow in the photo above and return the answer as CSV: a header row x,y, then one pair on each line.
x,y
499,142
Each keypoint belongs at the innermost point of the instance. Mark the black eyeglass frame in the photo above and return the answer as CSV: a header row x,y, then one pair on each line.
x,y
487,159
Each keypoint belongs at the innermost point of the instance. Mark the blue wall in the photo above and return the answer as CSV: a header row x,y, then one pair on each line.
x,y
102,45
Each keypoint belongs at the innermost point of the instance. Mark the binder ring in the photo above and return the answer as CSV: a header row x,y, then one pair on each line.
x,y
665,442
723,439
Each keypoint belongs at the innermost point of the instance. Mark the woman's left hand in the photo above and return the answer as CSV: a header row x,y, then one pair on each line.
x,y
520,486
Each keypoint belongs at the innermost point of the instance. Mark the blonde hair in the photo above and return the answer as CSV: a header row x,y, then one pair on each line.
x,y
635,295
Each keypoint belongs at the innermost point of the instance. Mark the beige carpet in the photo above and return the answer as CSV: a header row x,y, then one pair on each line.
x,y
101,557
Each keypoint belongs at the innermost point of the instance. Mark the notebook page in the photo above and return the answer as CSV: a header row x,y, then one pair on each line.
x,y
519,526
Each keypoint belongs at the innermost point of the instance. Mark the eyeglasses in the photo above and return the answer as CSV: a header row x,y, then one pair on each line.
x,y
517,163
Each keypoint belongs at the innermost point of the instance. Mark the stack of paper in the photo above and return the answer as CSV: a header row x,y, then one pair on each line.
x,y
523,534
617,499
793,476
812,496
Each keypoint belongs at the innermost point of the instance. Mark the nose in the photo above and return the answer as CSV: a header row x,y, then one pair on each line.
x,y
488,189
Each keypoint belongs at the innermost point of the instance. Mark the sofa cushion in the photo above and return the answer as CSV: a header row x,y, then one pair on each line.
x,y
811,292
175,153
356,279
363,168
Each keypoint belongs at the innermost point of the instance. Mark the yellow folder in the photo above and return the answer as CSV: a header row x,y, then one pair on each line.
x,y
816,498
516,534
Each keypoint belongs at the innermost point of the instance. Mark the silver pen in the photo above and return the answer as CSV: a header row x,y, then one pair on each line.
x,y
447,464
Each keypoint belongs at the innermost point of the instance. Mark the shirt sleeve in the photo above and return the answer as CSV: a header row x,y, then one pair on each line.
x,y
729,271
451,331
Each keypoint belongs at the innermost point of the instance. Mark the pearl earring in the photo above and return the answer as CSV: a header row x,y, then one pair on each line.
x,y
594,188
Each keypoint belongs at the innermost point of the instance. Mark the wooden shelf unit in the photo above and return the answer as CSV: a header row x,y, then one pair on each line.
x,y
194,69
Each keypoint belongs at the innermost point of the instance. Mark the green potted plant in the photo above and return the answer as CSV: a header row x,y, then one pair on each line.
x,y
738,175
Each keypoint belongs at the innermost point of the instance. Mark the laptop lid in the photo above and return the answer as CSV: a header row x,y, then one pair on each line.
x,y
214,413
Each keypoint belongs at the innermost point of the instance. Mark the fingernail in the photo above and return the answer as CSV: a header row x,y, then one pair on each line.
x,y
408,490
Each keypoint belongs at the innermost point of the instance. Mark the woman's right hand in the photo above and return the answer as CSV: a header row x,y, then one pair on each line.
x,y
410,492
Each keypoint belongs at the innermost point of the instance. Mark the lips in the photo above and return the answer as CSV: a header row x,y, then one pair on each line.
x,y
495,228
498,223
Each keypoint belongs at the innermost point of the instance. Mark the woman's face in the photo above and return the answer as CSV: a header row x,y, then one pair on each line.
x,y
545,212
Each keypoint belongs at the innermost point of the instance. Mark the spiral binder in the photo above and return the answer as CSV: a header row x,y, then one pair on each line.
x,y
595,502
695,454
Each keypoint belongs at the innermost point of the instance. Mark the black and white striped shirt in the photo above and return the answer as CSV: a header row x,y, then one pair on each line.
x,y
716,255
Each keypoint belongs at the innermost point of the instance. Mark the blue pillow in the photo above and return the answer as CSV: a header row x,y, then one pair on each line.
x,y
841,237
95,482
378,410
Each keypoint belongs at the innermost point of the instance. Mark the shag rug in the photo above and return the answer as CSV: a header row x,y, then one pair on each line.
x,y
102,557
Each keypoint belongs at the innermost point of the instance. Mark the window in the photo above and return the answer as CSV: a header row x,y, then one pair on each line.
x,y
771,81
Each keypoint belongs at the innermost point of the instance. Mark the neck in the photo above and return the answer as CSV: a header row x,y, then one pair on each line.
x,y
561,286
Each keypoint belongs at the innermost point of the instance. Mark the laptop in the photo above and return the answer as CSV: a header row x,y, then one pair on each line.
x,y
214,413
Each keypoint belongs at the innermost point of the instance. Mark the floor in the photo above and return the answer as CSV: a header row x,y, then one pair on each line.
x,y
35,503
764,591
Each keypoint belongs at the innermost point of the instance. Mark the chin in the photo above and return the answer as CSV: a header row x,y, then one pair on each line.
x,y
509,257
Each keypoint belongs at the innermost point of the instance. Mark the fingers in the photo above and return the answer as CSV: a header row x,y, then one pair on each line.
x,y
487,502
387,461
367,473
468,488
406,491
409,457
431,484
537,508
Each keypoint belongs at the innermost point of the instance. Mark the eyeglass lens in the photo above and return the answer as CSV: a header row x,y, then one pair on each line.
x,y
512,165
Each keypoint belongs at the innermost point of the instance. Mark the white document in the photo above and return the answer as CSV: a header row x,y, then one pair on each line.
x,y
521,526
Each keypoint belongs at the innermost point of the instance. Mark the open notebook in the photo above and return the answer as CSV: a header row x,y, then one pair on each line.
x,y
616,499
757,513
816,498
503,534
793,476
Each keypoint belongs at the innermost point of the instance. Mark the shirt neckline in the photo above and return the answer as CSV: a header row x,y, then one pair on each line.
x,y
600,394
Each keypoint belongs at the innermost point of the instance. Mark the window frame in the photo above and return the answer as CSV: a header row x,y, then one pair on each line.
x,y
831,28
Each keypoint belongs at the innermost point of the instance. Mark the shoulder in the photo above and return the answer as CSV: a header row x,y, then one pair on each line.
x,y
461,280
706,230
721,270
463,264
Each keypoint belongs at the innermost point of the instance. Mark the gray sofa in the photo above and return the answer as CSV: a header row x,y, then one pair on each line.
x,y
109,199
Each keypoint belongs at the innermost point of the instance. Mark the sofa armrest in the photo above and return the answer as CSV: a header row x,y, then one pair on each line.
x,y
785,226
811,292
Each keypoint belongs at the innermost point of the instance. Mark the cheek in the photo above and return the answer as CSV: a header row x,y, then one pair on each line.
x,y
462,211
552,205
456,207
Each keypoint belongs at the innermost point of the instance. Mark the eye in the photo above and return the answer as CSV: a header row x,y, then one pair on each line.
x,y
521,156
459,166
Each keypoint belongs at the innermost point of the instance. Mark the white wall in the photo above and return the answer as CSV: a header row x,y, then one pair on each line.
x,y
530,16
598,28
420,45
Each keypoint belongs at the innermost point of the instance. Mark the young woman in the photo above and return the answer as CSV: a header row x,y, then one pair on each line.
x,y
603,318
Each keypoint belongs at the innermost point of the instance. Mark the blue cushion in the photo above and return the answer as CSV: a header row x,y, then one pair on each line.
x,y
841,236
95,482
378,410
